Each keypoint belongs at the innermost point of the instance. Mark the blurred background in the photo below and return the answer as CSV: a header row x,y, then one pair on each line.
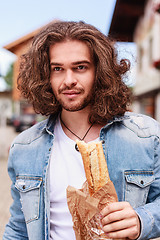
x,y
134,24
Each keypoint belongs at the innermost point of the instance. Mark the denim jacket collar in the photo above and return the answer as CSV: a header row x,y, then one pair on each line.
x,y
50,124
52,119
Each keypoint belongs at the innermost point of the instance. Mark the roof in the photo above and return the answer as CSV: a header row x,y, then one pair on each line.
x,y
125,18
11,46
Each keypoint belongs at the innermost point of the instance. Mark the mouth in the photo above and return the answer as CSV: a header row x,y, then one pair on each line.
x,y
71,93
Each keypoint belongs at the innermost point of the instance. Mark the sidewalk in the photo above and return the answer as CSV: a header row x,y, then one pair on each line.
x,y
7,134
5,199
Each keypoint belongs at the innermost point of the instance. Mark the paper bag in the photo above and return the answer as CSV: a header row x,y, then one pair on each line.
x,y
85,210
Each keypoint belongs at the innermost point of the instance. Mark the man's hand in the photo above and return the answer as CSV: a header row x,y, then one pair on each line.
x,y
119,220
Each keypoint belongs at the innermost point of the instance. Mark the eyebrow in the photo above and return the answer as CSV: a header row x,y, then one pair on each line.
x,y
81,62
74,63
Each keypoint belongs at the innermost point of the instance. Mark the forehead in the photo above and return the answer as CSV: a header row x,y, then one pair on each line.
x,y
70,50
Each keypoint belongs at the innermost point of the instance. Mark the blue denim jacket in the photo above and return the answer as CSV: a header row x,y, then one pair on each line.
x,y
132,149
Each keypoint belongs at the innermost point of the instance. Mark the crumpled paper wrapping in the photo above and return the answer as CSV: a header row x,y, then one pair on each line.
x,y
85,210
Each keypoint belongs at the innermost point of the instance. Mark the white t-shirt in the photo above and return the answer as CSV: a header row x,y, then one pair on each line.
x,y
66,168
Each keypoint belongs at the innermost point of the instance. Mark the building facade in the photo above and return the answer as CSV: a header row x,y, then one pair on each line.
x,y
147,39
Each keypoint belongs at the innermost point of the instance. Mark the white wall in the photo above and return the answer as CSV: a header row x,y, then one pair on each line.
x,y
5,110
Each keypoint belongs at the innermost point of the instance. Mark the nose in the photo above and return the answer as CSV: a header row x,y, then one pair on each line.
x,y
69,79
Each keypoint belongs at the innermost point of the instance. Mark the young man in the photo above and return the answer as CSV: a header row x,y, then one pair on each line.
x,y
71,73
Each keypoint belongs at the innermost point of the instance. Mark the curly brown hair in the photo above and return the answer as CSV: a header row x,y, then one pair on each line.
x,y
111,95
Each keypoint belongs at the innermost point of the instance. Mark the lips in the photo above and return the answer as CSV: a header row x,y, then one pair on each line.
x,y
70,92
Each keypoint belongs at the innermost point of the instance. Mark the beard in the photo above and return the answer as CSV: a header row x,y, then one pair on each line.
x,y
75,105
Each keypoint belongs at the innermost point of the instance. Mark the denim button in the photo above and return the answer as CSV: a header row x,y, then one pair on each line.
x,y
142,182
24,187
103,141
49,149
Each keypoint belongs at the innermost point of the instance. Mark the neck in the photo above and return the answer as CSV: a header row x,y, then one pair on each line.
x,y
78,123
76,119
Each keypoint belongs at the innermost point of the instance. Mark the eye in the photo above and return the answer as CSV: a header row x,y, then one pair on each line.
x,y
57,69
81,67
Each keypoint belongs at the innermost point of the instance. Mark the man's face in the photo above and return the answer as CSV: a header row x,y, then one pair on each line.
x,y
72,74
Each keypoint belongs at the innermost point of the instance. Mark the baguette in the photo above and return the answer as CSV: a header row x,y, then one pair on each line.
x,y
94,164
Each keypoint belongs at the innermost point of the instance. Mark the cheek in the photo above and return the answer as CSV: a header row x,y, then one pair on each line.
x,y
54,88
90,82
54,84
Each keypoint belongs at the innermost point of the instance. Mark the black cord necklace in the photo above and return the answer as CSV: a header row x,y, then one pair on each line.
x,y
76,147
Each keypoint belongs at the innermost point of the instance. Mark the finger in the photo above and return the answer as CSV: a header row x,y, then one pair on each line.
x,y
112,207
119,225
118,215
125,233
